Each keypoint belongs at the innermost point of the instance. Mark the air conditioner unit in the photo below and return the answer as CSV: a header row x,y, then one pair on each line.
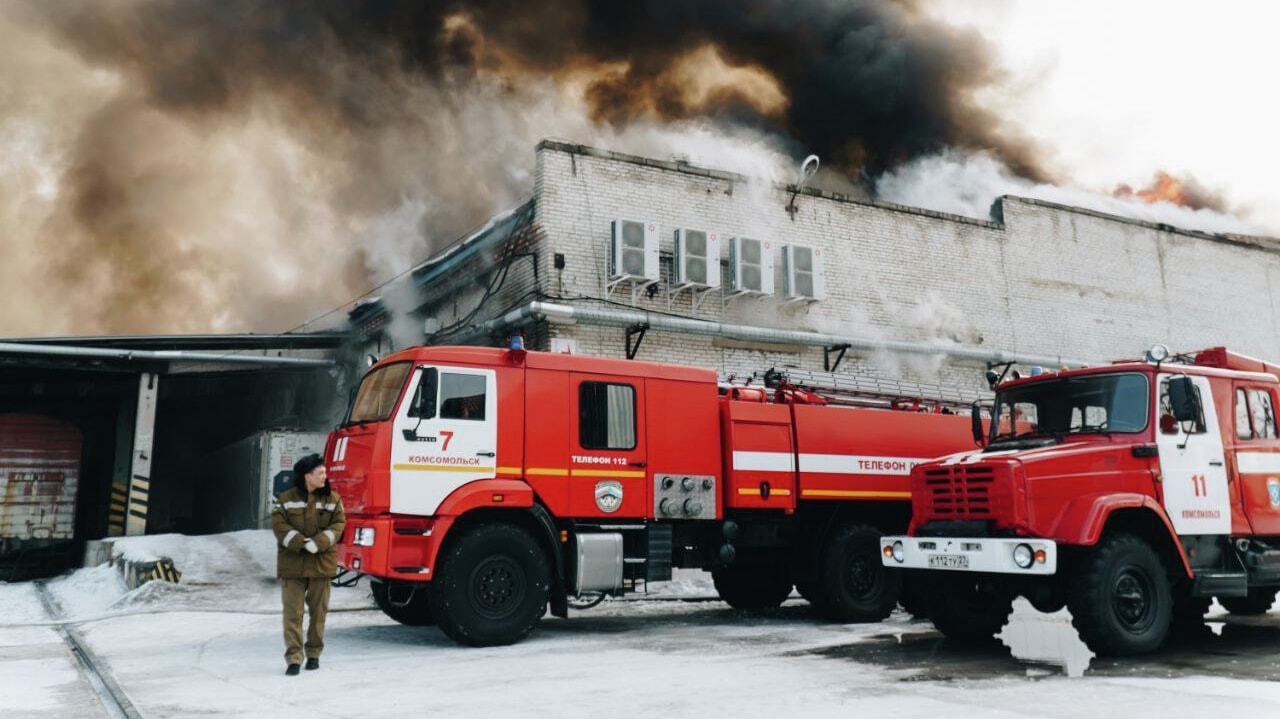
x,y
633,253
697,260
750,266
802,273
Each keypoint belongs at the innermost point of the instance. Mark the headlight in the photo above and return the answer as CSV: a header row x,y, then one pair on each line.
x,y
899,552
1023,556
363,537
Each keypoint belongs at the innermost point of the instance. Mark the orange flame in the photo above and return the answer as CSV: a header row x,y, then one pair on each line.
x,y
1166,188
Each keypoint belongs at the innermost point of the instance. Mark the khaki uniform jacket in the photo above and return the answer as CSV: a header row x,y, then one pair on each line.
x,y
300,516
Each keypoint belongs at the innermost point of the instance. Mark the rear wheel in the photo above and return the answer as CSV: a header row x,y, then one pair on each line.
x,y
752,588
404,602
1121,602
1258,601
853,584
491,586
968,608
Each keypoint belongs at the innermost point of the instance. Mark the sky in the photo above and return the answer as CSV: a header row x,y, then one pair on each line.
x,y
1117,90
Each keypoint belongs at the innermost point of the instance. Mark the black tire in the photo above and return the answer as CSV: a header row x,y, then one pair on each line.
x,y
406,603
1120,600
491,586
1259,601
853,584
912,595
967,608
752,588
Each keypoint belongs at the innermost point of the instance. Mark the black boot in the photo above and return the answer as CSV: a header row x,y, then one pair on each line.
x,y
313,662
292,670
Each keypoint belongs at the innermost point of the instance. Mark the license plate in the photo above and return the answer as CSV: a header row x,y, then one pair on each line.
x,y
948,561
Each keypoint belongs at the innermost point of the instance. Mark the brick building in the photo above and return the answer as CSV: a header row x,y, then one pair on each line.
x,y
909,292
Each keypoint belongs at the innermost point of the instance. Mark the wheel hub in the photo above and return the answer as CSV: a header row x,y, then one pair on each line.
x,y
497,587
862,575
1131,599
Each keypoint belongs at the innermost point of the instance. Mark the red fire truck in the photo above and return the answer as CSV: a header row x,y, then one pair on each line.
x,y
1131,493
481,484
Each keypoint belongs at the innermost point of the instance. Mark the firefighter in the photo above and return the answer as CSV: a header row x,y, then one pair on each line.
x,y
308,522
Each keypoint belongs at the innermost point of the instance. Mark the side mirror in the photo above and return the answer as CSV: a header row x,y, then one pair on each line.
x,y
423,404
975,422
1185,401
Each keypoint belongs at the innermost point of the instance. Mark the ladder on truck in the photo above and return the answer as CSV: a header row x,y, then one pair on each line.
x,y
870,391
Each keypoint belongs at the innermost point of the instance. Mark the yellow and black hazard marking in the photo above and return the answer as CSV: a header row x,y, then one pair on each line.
x,y
139,494
139,573
116,510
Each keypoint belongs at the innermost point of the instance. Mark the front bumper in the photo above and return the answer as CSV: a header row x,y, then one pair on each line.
x,y
396,552
969,554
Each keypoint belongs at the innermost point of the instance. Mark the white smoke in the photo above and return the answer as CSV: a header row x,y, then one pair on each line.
x,y
967,183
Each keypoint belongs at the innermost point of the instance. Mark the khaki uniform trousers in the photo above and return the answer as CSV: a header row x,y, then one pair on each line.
x,y
314,593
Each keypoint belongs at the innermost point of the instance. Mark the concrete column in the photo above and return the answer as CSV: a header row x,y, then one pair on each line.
x,y
143,440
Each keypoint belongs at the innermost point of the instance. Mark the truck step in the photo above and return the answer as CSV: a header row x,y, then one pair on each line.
x,y
1220,584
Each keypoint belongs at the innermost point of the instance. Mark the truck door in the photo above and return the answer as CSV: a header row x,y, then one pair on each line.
x,y
1257,457
445,434
1192,465
607,461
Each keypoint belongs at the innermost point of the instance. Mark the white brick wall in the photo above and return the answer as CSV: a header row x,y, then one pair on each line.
x,y
1048,280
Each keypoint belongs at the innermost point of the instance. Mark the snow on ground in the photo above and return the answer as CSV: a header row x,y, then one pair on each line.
x,y
212,646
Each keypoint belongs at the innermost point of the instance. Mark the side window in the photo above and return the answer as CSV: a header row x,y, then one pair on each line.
x,y
606,416
1264,418
1243,430
462,396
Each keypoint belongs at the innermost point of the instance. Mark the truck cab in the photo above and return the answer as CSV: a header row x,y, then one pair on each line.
x,y
1131,493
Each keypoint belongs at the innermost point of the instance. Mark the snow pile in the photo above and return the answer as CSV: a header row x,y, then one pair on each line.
x,y
21,604
232,572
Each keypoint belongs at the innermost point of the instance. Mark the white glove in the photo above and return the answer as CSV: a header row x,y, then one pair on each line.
x,y
310,546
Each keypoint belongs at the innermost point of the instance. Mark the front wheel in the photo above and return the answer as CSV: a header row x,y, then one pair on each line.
x,y
491,586
404,602
1121,602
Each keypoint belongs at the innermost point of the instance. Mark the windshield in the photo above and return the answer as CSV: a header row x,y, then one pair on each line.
x,y
379,390
1072,405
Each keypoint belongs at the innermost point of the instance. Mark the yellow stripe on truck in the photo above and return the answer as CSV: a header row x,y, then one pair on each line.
x,y
441,468
854,493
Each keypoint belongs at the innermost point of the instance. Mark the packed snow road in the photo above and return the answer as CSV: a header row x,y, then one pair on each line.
x,y
211,646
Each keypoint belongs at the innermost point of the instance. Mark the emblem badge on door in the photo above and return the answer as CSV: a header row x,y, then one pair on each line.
x,y
1273,491
609,496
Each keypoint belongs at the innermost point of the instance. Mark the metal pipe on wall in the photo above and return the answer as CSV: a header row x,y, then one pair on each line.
x,y
569,314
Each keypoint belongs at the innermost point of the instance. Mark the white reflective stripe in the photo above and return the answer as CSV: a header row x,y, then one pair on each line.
x,y
764,461
1257,462
330,506
825,463
858,464
294,505
329,533
289,537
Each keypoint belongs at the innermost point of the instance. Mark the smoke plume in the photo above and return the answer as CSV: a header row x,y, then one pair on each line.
x,y
245,164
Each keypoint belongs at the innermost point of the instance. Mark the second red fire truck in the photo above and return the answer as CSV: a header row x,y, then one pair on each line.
x,y
483,484
1132,494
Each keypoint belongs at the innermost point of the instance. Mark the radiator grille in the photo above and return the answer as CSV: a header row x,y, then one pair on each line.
x,y
961,491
